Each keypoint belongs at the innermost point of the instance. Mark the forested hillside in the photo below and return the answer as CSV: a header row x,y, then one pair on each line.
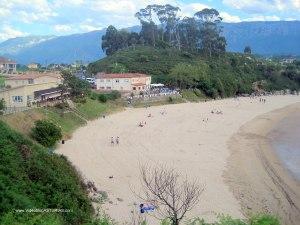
x,y
190,53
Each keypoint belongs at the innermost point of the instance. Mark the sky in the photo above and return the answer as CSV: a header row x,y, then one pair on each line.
x,y
63,17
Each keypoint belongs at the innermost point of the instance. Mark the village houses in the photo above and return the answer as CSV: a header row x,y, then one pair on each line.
x,y
124,82
24,90
7,66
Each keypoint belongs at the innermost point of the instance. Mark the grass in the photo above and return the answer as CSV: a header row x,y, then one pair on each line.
x,y
2,81
92,109
163,101
67,121
23,121
31,178
193,95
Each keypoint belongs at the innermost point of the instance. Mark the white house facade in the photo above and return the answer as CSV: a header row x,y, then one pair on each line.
x,y
127,82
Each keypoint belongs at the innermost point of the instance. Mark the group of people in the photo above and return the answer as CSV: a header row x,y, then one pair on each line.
x,y
114,140
216,112
263,100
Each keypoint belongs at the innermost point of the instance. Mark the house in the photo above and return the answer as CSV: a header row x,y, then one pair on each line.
x,y
48,94
32,78
7,66
24,90
125,82
33,66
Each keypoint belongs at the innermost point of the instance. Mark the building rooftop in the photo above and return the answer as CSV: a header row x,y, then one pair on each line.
x,y
33,76
6,60
47,92
119,75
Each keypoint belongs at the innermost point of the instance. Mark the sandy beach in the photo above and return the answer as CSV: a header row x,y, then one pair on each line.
x,y
204,146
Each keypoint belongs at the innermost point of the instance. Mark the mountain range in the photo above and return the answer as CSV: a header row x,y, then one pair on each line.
x,y
265,38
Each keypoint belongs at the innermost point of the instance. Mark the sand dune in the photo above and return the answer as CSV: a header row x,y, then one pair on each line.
x,y
180,138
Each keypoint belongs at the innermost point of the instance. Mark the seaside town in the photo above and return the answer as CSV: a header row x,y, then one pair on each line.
x,y
149,113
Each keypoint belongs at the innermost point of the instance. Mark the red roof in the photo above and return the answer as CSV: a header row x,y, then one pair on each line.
x,y
138,84
32,76
119,75
5,60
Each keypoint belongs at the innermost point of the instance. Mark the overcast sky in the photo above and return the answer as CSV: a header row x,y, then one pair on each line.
x,y
62,17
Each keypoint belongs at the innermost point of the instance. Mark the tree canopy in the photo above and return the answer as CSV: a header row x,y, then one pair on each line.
x,y
163,27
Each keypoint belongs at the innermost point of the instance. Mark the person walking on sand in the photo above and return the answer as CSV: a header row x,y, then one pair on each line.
x,y
117,140
112,141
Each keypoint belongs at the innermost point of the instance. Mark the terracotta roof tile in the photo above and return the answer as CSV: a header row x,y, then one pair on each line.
x,y
119,75
32,76
5,60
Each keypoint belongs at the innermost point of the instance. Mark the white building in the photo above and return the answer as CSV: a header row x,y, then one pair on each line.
x,y
127,82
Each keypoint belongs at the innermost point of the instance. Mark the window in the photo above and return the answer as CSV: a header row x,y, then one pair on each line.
x,y
117,81
17,98
108,88
126,80
134,88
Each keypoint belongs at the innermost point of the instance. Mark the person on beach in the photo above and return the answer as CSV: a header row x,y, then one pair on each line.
x,y
117,140
112,141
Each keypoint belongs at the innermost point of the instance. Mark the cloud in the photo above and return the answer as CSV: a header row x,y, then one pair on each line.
x,y
230,18
262,6
27,11
7,32
62,28
263,18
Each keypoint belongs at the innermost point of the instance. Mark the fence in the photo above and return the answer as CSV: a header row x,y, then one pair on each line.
x,y
12,110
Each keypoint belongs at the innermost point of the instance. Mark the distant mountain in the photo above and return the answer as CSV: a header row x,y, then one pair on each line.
x,y
15,45
265,38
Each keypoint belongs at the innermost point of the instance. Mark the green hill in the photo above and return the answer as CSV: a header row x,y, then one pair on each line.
x,y
32,178
227,75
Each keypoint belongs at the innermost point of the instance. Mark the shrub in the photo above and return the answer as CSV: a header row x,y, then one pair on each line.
x,y
102,98
94,96
61,105
46,133
115,95
80,99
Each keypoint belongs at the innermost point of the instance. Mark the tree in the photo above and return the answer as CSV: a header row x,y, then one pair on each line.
x,y
149,30
118,68
247,50
73,85
211,41
110,41
46,133
2,104
172,195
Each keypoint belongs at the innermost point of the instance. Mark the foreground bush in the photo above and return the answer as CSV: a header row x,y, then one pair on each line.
x,y
46,133
31,178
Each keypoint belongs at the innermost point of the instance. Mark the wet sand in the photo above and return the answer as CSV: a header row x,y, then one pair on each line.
x,y
180,139
255,173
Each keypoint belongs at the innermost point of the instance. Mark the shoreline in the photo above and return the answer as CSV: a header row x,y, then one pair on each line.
x,y
276,191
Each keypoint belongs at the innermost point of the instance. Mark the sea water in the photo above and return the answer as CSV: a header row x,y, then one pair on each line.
x,y
286,142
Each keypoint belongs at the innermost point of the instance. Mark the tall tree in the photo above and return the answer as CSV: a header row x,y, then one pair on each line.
x,y
109,40
247,50
211,41
149,28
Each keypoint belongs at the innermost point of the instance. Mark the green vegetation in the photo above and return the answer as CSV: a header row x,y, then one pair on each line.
x,y
46,133
31,178
2,106
2,81
230,75
68,121
92,109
